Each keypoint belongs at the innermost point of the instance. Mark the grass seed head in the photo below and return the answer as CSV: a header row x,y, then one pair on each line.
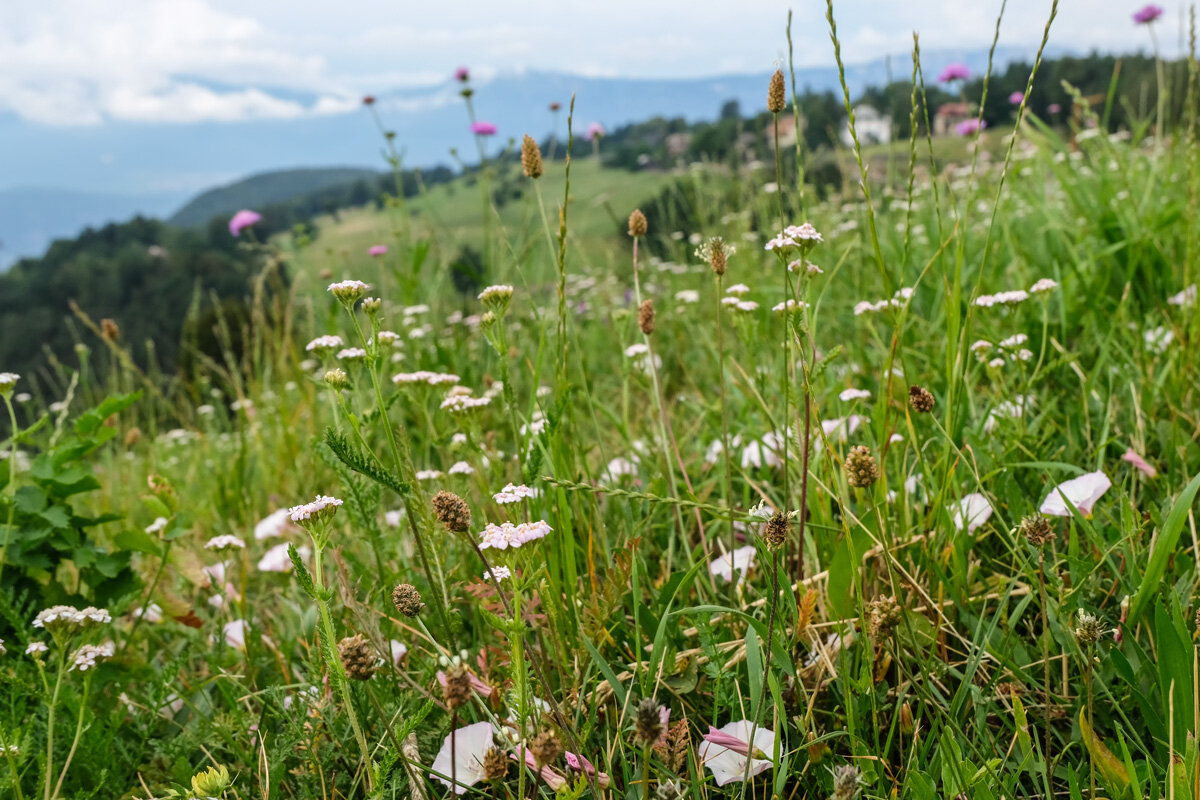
x,y
861,469
495,765
647,723
776,529
637,224
646,316
920,399
452,511
531,157
545,747
407,599
357,657
457,690
776,93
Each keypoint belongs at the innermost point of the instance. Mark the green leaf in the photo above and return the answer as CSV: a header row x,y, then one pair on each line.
x,y
1109,765
363,465
306,582
1163,547
137,541
607,671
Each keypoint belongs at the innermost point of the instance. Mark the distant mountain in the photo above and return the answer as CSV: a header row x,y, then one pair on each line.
x,y
31,218
265,189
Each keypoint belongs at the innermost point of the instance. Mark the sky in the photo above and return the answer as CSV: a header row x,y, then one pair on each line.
x,y
80,63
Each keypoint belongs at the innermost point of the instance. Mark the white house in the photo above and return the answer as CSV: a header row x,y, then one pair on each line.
x,y
872,127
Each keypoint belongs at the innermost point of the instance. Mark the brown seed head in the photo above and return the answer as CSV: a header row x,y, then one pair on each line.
x,y
775,531
109,330
495,765
637,224
531,157
647,723
883,615
545,747
861,469
920,399
457,691
646,316
133,436
846,781
1037,530
452,511
407,599
356,657
776,93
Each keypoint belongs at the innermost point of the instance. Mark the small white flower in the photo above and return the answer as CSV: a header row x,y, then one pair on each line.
x,y
273,525
514,494
36,648
740,561
850,395
324,343
1185,298
429,474
225,542
352,354
324,506
738,289
159,524
687,296
497,573
461,468
7,381
470,745
971,512
1043,286
235,633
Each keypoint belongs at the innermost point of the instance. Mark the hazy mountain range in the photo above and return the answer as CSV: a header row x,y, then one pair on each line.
x,y
61,179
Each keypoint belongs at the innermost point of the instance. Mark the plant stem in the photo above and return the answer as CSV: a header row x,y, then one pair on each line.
x,y
87,685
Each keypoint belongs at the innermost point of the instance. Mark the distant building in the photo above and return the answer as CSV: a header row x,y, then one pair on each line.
x,y
787,132
871,126
948,117
678,143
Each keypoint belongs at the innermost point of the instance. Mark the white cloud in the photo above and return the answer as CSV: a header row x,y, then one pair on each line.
x,y
84,62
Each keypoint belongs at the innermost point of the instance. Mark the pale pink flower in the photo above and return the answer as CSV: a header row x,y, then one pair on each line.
x,y
1147,14
471,744
1016,98
970,127
595,131
1141,464
377,250
482,128
1081,492
954,72
235,633
274,525
243,219
726,752
971,512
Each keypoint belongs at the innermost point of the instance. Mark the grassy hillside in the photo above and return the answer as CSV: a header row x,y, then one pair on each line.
x,y
265,189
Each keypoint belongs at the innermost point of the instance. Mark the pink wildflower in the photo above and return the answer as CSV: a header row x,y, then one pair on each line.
x,y
243,219
482,128
955,72
377,250
1147,14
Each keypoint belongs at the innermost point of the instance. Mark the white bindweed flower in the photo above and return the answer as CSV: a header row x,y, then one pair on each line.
x,y
740,561
1081,492
470,746
730,754
399,650
235,633
971,512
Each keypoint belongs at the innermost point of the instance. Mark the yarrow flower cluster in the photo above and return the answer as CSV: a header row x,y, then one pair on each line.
x,y
67,618
324,344
86,656
352,354
795,236
461,403
348,292
425,376
496,296
506,534
225,542
514,494
1010,298
790,305
497,573
321,508
897,300
1044,286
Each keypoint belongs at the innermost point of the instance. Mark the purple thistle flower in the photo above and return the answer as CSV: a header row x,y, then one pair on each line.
x,y
377,250
462,74
1053,108
970,127
1147,14
482,128
243,219
955,72
595,130
1016,98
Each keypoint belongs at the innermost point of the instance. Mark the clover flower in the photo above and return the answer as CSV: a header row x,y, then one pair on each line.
x,y
970,127
1147,14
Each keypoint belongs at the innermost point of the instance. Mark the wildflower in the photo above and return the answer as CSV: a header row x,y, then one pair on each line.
x,y
954,72
352,354
531,157
1158,339
348,292
594,131
646,316
407,599
648,722
1016,98
514,494
775,531
158,526
452,511
1016,340
243,219
428,474
371,306
1002,298
460,468
883,615
324,344
1088,629
387,338
224,542
804,234
1185,298
1081,492
746,306
970,127
462,75
86,656
424,376
470,747
776,93
809,268
1037,530
322,508
1044,286
1139,463
497,297
273,525
619,468
36,648
357,658
637,224
920,399
971,512
66,619
849,395
235,633
860,467
7,381
1147,14
755,455
791,306
377,250
738,289
740,561
545,747
728,752
277,559
846,782
497,574
462,403
211,783
506,534
687,296
716,251
482,128
398,651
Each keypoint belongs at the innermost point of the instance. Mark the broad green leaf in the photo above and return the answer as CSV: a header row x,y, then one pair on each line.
x,y
1109,765
1163,547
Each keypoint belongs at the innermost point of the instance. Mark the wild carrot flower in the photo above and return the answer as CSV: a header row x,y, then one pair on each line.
x,y
971,512
243,219
738,289
424,376
728,752
464,403
1081,492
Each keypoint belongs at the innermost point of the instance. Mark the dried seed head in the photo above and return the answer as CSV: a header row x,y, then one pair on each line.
x,y
531,157
846,782
647,725
883,615
646,316
545,747
907,726
637,224
920,399
716,251
1037,530
407,599
776,93
861,469
495,765
109,330
452,511
669,790
457,690
775,531
133,436
356,657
